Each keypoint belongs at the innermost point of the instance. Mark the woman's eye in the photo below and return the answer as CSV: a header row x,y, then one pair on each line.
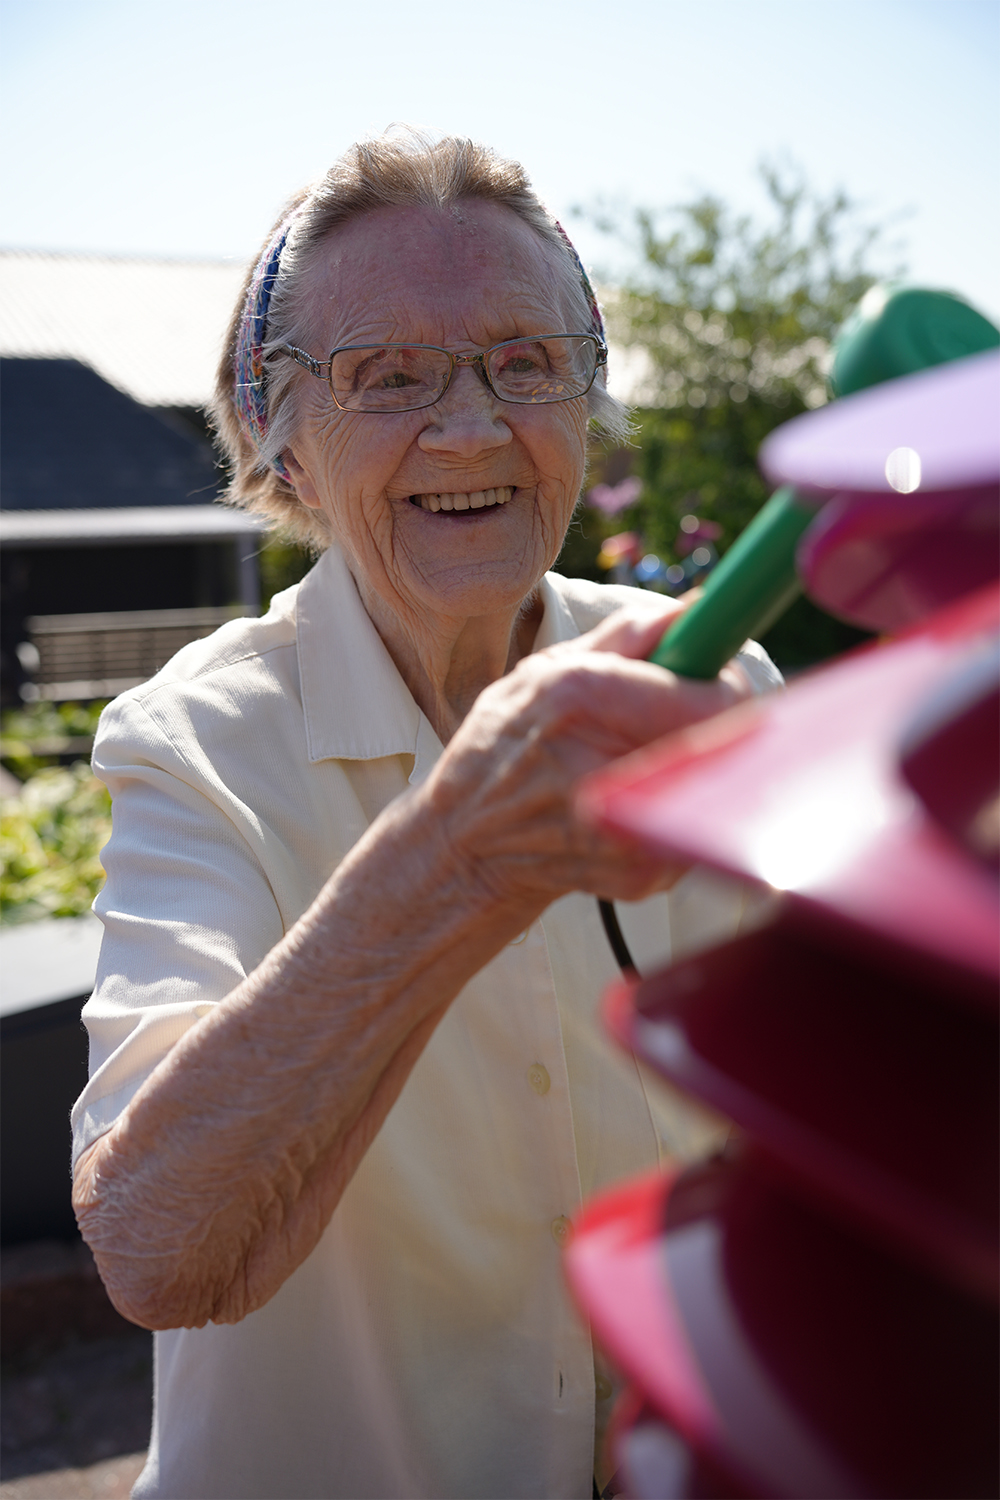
x,y
383,377
521,362
395,381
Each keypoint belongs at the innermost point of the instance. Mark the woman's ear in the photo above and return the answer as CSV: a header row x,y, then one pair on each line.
x,y
301,480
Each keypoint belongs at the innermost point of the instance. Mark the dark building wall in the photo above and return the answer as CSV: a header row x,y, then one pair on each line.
x,y
72,441
43,1059
78,580
72,580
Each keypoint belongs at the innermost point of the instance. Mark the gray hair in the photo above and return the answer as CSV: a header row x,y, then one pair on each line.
x,y
401,168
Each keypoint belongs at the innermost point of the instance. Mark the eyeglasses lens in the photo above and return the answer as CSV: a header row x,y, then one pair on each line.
x,y
541,370
404,377
394,377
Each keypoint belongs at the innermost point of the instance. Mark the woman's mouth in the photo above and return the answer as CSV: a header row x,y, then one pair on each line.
x,y
462,500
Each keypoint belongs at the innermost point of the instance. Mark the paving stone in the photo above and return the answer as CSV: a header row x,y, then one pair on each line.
x,y
74,1408
111,1479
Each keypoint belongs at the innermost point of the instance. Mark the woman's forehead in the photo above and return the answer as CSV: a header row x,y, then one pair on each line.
x,y
472,269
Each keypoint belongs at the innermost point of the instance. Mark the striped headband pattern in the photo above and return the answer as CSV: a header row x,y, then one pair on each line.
x,y
250,382
251,394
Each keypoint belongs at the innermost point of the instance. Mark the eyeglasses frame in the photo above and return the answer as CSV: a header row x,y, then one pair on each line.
x,y
318,367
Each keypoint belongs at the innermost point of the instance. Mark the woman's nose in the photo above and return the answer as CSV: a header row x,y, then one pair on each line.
x,y
467,420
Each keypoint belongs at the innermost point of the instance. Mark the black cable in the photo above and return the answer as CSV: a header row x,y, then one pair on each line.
x,y
619,947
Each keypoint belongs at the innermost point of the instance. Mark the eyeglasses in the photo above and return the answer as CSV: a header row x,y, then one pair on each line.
x,y
382,378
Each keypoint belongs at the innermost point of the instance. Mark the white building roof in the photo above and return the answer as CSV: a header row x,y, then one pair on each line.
x,y
153,328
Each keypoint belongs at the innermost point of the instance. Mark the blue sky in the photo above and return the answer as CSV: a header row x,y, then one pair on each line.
x,y
177,127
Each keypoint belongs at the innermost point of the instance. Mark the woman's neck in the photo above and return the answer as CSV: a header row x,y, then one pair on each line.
x,y
448,662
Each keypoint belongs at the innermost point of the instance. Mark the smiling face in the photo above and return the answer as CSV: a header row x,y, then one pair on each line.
x,y
458,509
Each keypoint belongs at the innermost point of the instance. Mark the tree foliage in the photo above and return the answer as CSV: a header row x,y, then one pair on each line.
x,y
725,328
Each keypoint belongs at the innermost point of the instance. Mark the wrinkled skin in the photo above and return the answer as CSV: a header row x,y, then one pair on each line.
x,y
443,590
220,1176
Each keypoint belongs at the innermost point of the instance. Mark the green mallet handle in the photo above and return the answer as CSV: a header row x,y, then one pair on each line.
x,y
752,585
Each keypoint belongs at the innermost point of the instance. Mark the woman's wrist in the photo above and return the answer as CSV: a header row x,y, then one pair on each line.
x,y
408,902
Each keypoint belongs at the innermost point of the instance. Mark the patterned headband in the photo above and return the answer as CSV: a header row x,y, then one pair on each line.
x,y
251,394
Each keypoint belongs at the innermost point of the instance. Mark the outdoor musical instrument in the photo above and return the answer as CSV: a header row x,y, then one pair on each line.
x,y
835,499
815,1312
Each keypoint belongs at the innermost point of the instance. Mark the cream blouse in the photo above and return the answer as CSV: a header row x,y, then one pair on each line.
x,y
428,1346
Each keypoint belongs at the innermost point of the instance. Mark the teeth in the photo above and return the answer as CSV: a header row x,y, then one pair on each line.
x,y
471,500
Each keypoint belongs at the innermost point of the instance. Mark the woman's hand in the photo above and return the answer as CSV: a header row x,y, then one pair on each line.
x,y
220,1176
503,791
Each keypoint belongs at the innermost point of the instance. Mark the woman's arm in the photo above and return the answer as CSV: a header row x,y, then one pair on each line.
x,y
220,1176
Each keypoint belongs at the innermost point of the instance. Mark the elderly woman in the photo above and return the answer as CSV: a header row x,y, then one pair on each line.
x,y
347,1081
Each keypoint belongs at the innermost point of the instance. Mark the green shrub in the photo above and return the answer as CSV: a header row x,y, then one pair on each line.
x,y
40,734
50,837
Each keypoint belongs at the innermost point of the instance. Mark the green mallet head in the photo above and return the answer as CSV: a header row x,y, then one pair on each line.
x,y
898,330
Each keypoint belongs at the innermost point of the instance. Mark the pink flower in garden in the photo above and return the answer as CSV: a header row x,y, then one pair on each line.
x,y
611,498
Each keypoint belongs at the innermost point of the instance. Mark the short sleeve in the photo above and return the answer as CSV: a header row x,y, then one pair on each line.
x,y
187,910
